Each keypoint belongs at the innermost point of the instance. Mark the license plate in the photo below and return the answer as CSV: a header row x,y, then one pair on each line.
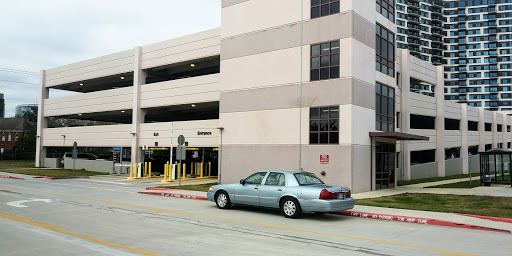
x,y
341,195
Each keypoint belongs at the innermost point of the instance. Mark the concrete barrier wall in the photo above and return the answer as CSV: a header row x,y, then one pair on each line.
x,y
52,163
422,171
453,166
474,166
89,165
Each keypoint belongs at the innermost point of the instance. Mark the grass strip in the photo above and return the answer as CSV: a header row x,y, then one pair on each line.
x,y
460,176
197,187
57,173
9,164
476,205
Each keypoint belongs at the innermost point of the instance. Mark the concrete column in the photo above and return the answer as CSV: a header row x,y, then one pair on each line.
x,y
481,130
464,151
405,114
439,94
139,78
494,130
42,122
506,133
502,135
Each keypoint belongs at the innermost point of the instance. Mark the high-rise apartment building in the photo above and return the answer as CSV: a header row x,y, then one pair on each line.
x,y
420,28
478,52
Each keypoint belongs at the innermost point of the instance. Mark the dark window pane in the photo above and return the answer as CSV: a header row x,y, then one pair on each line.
x,y
325,1
315,50
335,72
335,7
313,113
335,60
313,138
315,2
385,90
315,12
324,73
324,10
334,112
378,105
315,62
333,137
377,126
326,49
335,47
324,61
324,125
333,125
324,137
377,44
315,74
313,126
324,112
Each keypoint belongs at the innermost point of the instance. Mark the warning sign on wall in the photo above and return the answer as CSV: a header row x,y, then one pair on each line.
x,y
324,159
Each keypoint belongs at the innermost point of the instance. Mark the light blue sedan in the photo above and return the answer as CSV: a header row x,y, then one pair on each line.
x,y
293,192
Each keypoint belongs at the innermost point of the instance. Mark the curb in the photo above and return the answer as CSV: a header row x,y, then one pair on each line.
x,y
486,217
59,178
167,194
152,188
425,221
10,177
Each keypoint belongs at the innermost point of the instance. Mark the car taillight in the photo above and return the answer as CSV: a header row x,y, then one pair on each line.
x,y
211,189
349,194
324,194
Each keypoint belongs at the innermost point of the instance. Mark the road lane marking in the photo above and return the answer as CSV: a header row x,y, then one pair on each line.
x,y
3,214
46,226
21,202
251,222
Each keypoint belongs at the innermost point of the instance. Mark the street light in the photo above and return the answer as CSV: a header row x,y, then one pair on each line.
x,y
220,154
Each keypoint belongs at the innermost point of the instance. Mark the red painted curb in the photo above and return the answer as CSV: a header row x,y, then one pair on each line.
x,y
416,220
486,217
10,177
175,195
151,188
45,177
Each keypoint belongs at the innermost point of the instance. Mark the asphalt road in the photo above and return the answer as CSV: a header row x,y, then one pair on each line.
x,y
87,217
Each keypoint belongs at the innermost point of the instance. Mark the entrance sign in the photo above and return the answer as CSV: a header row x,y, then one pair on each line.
x,y
324,159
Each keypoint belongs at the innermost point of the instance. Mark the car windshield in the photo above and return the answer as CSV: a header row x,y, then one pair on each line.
x,y
306,178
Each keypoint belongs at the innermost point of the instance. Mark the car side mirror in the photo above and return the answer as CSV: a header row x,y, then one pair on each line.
x,y
242,181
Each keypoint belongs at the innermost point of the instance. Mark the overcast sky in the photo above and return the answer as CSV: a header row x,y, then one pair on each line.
x,y
37,35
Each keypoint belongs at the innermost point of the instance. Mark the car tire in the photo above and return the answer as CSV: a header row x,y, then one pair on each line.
x,y
290,208
222,200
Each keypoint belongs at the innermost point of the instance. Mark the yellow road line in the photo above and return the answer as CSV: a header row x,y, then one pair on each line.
x,y
29,220
254,223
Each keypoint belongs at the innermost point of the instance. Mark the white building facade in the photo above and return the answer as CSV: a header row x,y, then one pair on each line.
x,y
320,89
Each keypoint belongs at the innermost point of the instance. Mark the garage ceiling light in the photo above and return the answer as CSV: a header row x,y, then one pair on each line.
x,y
192,65
79,114
81,84
122,111
122,77
193,105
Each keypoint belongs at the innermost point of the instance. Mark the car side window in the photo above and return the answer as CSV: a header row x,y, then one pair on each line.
x,y
275,179
256,178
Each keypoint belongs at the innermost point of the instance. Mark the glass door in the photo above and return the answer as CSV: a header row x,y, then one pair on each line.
x,y
385,165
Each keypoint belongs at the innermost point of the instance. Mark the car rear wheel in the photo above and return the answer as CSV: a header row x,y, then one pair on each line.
x,y
222,200
290,208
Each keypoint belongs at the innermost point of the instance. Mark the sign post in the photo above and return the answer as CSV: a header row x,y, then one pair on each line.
x,y
75,155
181,154
171,172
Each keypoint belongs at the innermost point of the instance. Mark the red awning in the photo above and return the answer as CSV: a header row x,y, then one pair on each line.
x,y
398,135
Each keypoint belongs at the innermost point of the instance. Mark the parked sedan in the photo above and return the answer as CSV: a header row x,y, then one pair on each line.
x,y
293,192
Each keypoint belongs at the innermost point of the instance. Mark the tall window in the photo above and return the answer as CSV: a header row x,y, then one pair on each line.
x,y
386,8
385,107
385,50
321,8
325,61
324,125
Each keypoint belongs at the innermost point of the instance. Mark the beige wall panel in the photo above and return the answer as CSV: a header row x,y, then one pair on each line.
x,y
101,101
182,91
473,138
253,15
264,70
227,3
361,168
189,129
205,36
452,110
488,137
354,59
181,56
385,79
261,127
488,116
365,9
472,114
88,136
422,70
341,161
424,145
452,139
357,130
422,105
108,65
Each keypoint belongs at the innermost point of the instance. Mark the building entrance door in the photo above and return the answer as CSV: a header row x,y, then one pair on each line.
x,y
385,165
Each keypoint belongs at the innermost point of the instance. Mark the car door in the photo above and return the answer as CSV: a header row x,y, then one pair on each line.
x,y
248,193
273,188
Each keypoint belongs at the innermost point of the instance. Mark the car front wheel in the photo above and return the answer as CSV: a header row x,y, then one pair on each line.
x,y
290,208
222,200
